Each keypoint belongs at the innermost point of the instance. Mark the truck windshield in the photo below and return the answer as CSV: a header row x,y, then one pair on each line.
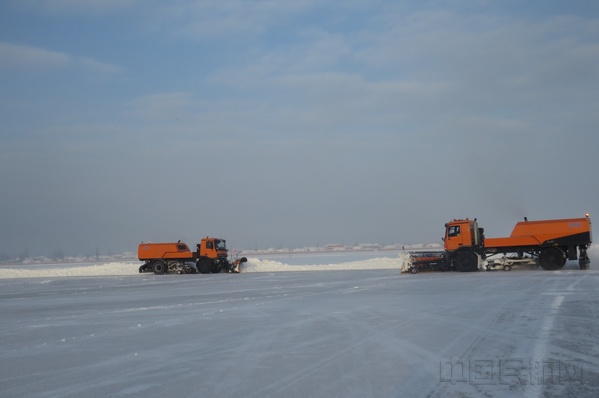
x,y
221,244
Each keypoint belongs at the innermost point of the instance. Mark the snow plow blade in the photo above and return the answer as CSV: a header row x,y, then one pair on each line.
x,y
426,261
235,266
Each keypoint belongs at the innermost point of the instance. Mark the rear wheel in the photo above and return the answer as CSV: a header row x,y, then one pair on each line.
x,y
466,261
552,259
159,267
204,265
584,262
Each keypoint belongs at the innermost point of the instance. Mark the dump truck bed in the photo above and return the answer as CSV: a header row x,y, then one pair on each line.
x,y
569,231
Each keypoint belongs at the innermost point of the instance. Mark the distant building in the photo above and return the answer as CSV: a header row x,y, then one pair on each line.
x,y
334,247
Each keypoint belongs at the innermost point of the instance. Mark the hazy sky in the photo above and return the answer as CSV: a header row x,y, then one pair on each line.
x,y
291,123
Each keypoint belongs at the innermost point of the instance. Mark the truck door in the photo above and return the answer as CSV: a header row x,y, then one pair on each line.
x,y
459,234
453,237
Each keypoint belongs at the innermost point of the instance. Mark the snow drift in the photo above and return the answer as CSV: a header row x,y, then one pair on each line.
x,y
258,265
131,268
62,270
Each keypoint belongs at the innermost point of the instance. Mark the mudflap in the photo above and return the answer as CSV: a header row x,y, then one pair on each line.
x,y
145,267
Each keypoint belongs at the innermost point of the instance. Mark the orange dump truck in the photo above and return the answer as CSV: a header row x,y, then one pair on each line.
x,y
548,243
211,256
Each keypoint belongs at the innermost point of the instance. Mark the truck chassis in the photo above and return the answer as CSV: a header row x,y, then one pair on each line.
x,y
160,267
549,258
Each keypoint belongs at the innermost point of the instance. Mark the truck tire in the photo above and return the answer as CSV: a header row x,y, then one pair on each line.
x,y
159,267
216,268
584,262
466,261
204,265
551,259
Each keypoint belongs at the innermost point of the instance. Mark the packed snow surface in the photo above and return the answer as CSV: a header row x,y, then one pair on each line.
x,y
360,329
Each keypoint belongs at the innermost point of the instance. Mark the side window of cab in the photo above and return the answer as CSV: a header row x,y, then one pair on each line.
x,y
454,230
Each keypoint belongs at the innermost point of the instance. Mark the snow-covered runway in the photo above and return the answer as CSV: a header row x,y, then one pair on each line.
x,y
349,333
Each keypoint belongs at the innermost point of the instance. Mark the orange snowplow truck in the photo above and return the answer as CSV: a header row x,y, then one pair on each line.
x,y
211,256
548,243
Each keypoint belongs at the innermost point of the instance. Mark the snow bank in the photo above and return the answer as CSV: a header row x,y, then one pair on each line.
x,y
60,270
253,265
258,265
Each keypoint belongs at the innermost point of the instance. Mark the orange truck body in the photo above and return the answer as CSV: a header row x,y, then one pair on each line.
x,y
534,233
461,234
173,250
550,243
211,256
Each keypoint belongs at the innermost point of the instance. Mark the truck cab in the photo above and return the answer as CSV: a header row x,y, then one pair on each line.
x,y
464,245
461,234
213,248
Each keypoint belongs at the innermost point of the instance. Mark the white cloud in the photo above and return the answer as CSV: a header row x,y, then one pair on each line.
x,y
100,67
163,106
17,57
207,19
74,7
20,57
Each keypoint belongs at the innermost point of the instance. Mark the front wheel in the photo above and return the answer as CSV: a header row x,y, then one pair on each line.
x,y
552,258
466,261
204,265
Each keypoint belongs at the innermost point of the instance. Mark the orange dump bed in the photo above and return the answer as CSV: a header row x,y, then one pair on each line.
x,y
174,250
532,233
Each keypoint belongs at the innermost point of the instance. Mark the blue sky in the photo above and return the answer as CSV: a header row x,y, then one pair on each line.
x,y
291,123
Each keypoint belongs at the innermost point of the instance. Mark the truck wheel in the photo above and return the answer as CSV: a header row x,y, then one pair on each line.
x,y
204,265
414,270
583,262
466,261
507,267
216,268
159,267
552,259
